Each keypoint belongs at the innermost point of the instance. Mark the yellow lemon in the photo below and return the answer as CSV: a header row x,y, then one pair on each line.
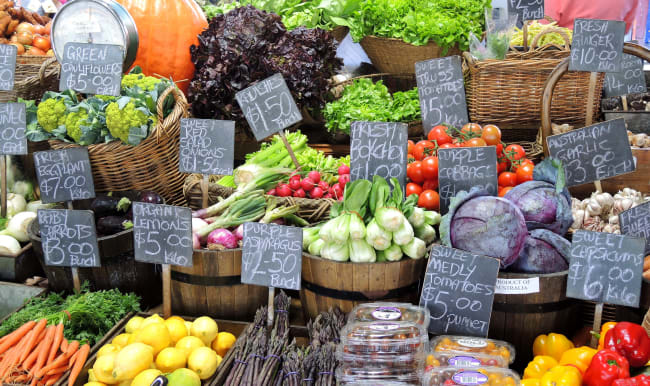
x,y
205,328
153,365
155,335
177,329
108,349
121,340
189,344
103,369
183,377
203,361
175,317
155,318
125,383
91,376
146,377
133,324
188,325
223,343
170,359
131,360
94,383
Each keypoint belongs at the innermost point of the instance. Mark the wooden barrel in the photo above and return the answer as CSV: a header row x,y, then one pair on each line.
x,y
20,267
212,286
520,318
328,283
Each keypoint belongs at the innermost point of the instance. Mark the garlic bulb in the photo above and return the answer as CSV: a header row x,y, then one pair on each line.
x,y
609,228
613,220
593,224
578,219
622,205
606,202
593,207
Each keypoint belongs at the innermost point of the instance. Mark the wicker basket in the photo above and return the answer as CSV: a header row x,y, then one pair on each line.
x,y
34,76
508,91
311,210
398,57
152,165
339,33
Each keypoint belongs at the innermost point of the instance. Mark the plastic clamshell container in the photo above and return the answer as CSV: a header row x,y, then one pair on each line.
x,y
383,338
385,311
474,345
465,359
488,376
348,376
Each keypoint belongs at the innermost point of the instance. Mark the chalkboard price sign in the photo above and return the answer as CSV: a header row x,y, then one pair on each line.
x,y
458,290
442,92
268,106
597,45
207,146
463,168
7,66
12,128
594,152
272,255
636,222
162,234
64,175
69,238
378,148
629,80
92,68
526,9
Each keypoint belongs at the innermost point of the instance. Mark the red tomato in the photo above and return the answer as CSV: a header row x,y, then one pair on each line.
x,y
430,185
414,172
475,142
447,146
525,173
502,165
471,130
491,135
515,152
507,179
411,145
413,188
422,149
439,135
429,199
504,190
410,158
499,150
430,168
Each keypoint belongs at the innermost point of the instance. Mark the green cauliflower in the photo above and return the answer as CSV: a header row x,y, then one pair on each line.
x,y
73,122
121,121
146,83
51,114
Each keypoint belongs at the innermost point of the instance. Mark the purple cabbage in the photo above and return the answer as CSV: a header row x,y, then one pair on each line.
x,y
485,225
545,202
543,252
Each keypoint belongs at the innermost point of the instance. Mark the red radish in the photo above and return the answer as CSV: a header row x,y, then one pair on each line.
x,y
317,192
327,195
271,192
299,193
344,169
337,191
315,176
344,179
307,184
294,183
324,185
341,198
283,190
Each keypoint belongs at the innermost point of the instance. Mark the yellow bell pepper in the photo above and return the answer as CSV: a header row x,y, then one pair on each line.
x,y
538,366
561,376
603,331
553,345
579,357
530,382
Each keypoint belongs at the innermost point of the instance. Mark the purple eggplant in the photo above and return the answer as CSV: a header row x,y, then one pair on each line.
x,y
150,197
111,225
104,206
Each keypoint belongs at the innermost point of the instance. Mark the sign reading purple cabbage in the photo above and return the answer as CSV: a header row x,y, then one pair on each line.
x,y
68,238
64,175
458,290
636,222
92,68
12,128
629,80
207,146
593,153
7,66
597,45
162,234
606,268
442,92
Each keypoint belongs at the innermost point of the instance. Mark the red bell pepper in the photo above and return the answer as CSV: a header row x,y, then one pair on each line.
x,y
630,340
639,380
606,367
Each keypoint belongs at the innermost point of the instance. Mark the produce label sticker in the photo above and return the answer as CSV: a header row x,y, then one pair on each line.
x,y
629,80
517,286
268,106
441,89
92,69
636,222
207,146
13,124
64,175
272,255
464,168
526,10
597,45
606,268
7,66
68,237
594,152
162,234
378,148
458,290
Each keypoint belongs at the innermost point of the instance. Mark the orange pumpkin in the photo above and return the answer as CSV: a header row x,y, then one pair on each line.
x,y
167,29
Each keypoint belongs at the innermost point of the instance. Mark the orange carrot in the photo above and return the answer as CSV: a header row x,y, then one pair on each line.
x,y
64,345
78,364
16,336
31,359
21,378
72,359
44,351
52,379
40,326
61,360
58,337
14,358
57,370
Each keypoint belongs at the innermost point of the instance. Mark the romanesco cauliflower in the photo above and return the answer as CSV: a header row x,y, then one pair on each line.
x,y
146,83
51,114
119,122
73,121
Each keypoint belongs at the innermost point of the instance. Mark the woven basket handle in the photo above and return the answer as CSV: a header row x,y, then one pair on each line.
x,y
525,29
43,69
556,75
179,111
554,30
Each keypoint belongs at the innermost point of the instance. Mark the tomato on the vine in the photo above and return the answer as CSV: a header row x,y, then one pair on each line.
x,y
471,130
414,172
429,199
475,142
499,150
430,168
502,164
506,179
439,135
430,185
410,158
491,135
447,146
504,190
422,149
411,145
515,152
525,173
413,188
